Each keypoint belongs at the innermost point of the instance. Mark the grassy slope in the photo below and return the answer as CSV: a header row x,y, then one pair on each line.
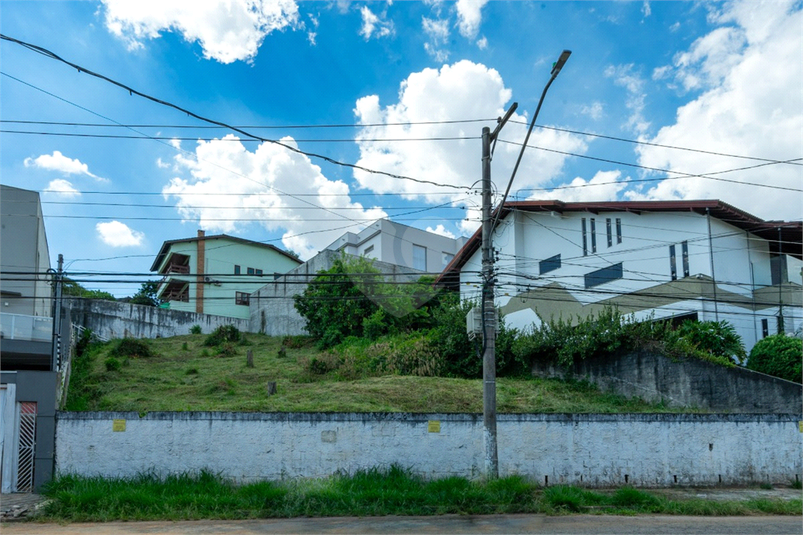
x,y
180,379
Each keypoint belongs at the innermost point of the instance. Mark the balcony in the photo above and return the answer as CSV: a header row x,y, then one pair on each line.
x,y
22,327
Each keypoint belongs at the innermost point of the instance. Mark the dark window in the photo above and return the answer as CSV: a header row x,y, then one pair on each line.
x,y
258,271
585,238
593,235
601,276
236,269
241,298
368,249
608,231
618,230
673,267
780,324
765,328
549,264
778,269
250,271
684,246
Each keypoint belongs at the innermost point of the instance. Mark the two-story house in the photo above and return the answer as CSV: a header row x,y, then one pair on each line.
x,y
217,274
28,380
705,260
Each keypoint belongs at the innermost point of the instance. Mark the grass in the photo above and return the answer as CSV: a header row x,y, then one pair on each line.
x,y
375,492
181,374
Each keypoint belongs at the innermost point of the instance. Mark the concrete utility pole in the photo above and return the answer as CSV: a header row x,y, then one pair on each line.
x,y
57,280
488,305
488,278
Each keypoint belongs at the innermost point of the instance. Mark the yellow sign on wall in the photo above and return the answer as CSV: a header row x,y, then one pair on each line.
x,y
118,426
434,426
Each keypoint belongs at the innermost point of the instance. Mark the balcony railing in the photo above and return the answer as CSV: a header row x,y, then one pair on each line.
x,y
23,327
177,268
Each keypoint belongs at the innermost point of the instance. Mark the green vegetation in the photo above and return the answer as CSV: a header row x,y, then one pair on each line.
x,y
195,329
147,295
73,289
177,379
779,355
223,335
392,491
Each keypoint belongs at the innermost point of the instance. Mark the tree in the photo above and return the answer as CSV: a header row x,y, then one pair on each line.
x,y
147,295
778,355
70,288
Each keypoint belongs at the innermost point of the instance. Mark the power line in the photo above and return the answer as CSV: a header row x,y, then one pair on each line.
x,y
47,53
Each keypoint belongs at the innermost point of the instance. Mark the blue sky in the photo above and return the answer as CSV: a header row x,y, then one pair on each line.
x,y
722,77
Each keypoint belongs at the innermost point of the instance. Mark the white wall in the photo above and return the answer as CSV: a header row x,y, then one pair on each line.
x,y
588,449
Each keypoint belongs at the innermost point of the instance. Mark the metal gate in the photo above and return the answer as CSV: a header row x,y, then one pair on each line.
x,y
27,444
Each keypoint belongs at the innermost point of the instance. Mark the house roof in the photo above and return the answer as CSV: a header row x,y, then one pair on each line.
x,y
166,247
790,231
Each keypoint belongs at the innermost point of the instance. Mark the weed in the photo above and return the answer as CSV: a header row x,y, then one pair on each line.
x,y
226,350
191,371
112,364
132,347
797,484
224,333
196,329
184,346
765,486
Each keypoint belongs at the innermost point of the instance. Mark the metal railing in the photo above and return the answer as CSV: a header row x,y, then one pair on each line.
x,y
24,327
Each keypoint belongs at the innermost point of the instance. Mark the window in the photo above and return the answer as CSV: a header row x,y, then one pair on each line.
x,y
618,230
765,328
447,257
258,271
585,238
608,231
241,298
593,235
601,276
236,269
549,264
368,249
419,258
250,271
684,246
673,269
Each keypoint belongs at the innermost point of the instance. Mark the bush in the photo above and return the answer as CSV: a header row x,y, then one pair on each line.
x,y
223,334
717,338
195,329
226,349
112,364
778,355
133,348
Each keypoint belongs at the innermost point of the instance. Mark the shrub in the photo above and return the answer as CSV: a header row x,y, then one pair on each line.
x,y
132,347
778,355
224,333
112,364
296,342
717,338
184,346
226,349
195,329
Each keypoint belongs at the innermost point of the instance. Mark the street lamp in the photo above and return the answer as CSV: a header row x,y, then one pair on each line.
x,y
488,304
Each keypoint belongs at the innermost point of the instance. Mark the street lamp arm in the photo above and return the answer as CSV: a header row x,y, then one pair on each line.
x,y
555,71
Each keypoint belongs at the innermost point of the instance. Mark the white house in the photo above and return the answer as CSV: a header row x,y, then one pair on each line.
x,y
664,259
402,245
217,274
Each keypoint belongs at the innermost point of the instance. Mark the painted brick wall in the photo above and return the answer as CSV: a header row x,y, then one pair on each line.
x,y
652,450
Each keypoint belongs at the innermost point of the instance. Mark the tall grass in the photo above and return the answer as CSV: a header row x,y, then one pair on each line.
x,y
374,492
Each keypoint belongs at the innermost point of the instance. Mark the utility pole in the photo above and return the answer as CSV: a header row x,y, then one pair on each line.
x,y
488,305
489,317
57,281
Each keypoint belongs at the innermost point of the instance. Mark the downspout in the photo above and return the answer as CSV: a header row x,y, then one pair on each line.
x,y
752,284
711,256
200,260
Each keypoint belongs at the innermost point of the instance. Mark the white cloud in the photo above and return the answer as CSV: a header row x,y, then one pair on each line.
x,y
646,10
62,188
441,231
375,25
627,77
58,162
594,110
312,34
469,17
227,30
118,234
482,43
675,27
437,30
238,185
754,107
162,164
454,92
605,186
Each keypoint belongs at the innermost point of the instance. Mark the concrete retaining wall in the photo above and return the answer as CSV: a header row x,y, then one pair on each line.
x,y
684,382
650,450
110,319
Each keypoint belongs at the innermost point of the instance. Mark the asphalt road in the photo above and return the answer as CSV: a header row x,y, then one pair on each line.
x,y
447,524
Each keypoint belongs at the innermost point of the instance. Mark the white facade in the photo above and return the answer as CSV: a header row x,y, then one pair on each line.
x,y
401,245
217,274
545,271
